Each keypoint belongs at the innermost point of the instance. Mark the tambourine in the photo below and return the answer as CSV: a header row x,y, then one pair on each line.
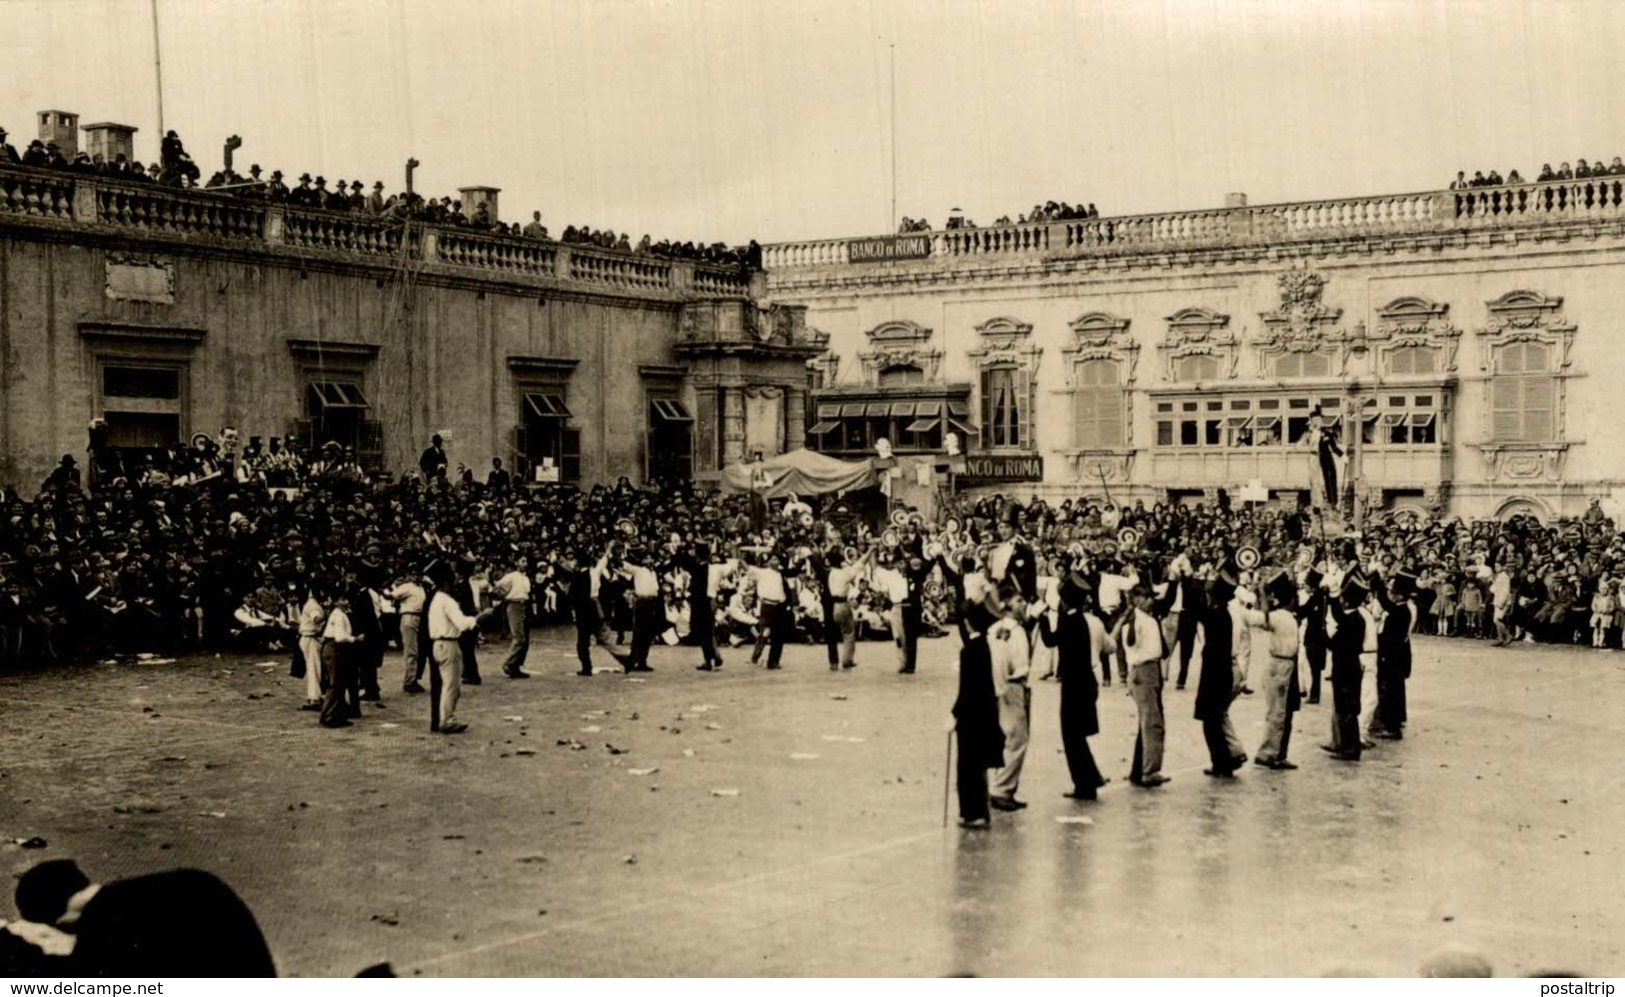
x,y
626,527
890,538
916,520
1108,549
851,555
1077,550
1128,536
960,553
200,439
899,518
950,526
806,520
933,551
1247,558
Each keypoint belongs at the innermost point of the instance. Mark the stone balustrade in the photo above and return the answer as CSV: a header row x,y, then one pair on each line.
x,y
34,193
187,213
1415,214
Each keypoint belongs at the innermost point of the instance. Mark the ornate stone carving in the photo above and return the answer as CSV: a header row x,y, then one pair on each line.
x,y
131,277
1111,466
1302,323
827,366
899,343
1005,341
1415,321
1524,462
1099,336
1199,332
1525,316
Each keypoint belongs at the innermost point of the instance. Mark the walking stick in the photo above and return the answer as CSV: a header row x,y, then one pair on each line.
x,y
947,776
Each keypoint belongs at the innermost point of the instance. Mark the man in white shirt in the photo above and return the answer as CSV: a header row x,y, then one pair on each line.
x,y
1243,618
339,666
1143,654
842,581
648,610
1281,681
448,622
771,596
513,591
410,595
1007,645
894,585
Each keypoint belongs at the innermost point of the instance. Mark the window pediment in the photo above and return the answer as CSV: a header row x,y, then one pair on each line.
x,y
1407,327
1198,332
1100,336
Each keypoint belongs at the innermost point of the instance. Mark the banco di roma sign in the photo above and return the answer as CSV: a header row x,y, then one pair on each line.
x,y
891,247
1003,467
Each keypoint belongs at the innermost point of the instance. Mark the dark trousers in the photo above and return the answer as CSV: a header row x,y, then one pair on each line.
x,y
1218,749
1080,761
369,654
1346,709
702,625
343,697
590,628
648,616
909,612
972,783
1390,716
1314,652
832,633
770,633
1185,637
468,643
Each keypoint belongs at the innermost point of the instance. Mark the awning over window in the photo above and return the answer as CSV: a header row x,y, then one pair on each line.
x,y
670,410
959,410
854,411
546,406
922,425
924,409
338,394
819,429
878,410
827,411
964,431
902,410
1422,419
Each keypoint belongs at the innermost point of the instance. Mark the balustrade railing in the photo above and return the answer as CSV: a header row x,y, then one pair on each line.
x,y
618,270
1423,213
489,252
730,281
162,209
35,193
341,233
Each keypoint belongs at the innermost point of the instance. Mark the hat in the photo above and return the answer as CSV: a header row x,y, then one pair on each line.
x,y
1355,586
43,892
304,177
378,185
356,185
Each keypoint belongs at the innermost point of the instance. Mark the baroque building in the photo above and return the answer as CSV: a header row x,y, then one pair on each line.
x,y
1462,342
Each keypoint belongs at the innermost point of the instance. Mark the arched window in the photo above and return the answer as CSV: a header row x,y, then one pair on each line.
x,y
1523,394
1097,413
901,375
1196,368
1413,360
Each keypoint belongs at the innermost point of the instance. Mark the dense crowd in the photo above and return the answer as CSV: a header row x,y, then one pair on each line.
x,y
1581,170
1050,211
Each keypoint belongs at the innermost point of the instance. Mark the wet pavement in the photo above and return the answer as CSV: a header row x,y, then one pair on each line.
x,y
791,823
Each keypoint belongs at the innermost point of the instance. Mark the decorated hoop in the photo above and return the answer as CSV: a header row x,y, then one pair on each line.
x,y
950,526
1247,558
806,520
889,538
899,518
1128,536
200,439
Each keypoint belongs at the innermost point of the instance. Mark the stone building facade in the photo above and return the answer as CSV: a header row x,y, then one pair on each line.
x,y
171,312
1465,342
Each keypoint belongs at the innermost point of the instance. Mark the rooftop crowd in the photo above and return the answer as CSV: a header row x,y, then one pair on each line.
x,y
177,169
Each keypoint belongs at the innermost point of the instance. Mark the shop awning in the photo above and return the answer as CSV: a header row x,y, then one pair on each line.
x,y
827,426
338,394
902,410
670,410
922,425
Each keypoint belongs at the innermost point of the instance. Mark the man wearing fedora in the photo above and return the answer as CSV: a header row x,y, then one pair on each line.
x,y
1393,655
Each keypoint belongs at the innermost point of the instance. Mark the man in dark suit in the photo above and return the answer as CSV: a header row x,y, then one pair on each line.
x,y
432,462
469,641
179,923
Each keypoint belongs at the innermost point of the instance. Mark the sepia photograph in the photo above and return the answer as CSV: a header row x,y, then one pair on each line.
x,y
850,489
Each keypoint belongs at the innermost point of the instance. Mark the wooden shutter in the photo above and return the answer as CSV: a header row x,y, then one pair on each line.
x,y
569,454
1022,397
1505,409
369,444
1539,408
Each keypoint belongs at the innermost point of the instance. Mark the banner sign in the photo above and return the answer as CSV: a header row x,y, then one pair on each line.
x,y
891,247
1003,467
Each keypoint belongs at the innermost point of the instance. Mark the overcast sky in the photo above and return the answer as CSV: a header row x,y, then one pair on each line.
x,y
728,119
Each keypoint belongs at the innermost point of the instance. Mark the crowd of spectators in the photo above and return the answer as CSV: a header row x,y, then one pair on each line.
x,y
1052,211
1581,170
214,543
352,197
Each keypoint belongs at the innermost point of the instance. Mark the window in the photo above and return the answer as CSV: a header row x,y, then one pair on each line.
x,y
1303,365
1413,360
1006,408
670,441
901,375
1196,368
544,437
910,426
1276,420
142,405
1097,405
336,410
1523,394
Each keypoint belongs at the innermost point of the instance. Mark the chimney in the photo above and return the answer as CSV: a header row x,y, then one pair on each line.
x,y
1235,200
61,127
473,197
109,140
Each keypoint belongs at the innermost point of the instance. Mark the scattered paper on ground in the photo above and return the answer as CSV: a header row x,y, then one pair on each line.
x,y
843,739
1074,820
724,792
592,729
389,725
837,695
643,771
713,726
514,720
803,756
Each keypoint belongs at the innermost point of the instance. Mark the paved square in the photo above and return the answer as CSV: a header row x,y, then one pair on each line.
x,y
792,822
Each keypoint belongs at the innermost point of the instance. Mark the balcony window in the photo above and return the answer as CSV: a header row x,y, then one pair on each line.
x,y
1303,365
1007,408
1413,360
1196,368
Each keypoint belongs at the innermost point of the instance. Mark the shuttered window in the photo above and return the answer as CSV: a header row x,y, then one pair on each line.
x,y
1523,395
1197,368
1097,405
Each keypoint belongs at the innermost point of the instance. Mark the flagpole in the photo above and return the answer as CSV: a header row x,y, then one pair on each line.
x,y
891,223
158,68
